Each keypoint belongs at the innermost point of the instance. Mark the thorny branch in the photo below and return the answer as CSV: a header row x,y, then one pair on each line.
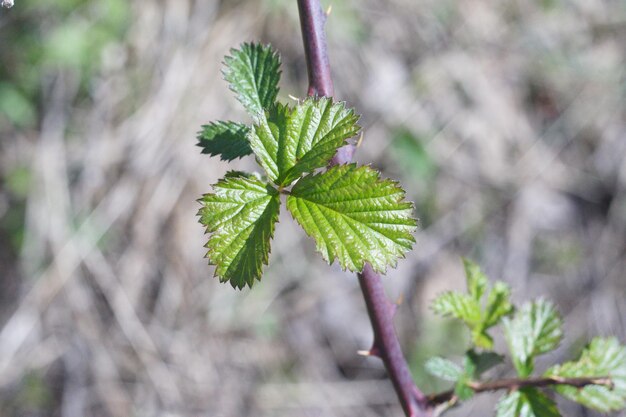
x,y
386,344
513,384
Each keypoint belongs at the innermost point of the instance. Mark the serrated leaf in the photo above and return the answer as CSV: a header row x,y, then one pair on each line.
x,y
476,280
535,329
443,368
602,358
227,139
498,304
289,142
468,307
354,216
240,215
526,402
457,305
253,73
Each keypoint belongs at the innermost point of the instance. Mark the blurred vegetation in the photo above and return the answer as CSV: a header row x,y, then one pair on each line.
x,y
508,138
43,37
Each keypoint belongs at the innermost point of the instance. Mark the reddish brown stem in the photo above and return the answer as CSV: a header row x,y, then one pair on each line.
x,y
312,19
512,384
386,344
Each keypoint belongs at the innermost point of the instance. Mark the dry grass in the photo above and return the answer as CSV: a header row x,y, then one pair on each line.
x,y
109,306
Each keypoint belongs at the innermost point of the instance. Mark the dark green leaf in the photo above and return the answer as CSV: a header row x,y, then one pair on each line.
x,y
354,216
227,139
483,361
240,215
253,74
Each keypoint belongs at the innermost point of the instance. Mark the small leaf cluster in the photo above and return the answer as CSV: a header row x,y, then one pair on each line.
x,y
353,215
530,331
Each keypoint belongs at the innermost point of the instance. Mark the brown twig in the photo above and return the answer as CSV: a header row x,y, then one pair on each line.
x,y
512,384
386,344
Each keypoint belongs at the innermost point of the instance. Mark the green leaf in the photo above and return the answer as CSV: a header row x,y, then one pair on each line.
x,y
354,216
443,368
526,402
227,139
476,280
498,304
602,358
483,361
534,330
468,307
289,142
240,215
457,305
253,73
462,390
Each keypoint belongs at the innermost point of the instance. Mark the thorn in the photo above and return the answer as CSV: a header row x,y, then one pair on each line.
x,y
294,98
329,10
400,300
358,142
372,352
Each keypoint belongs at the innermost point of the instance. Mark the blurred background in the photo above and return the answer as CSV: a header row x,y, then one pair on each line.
x,y
505,121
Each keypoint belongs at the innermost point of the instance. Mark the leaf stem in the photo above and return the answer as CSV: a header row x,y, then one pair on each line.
x,y
386,343
512,384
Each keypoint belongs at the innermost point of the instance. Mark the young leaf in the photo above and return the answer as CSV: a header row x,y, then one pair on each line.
x,y
253,74
354,216
476,280
602,358
498,304
457,305
468,307
526,402
443,368
240,214
290,142
227,139
534,330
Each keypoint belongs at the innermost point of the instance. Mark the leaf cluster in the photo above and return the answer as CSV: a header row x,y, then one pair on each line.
x,y
530,331
353,215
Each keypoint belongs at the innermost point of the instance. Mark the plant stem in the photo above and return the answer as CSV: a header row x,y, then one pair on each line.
x,y
312,19
512,384
386,344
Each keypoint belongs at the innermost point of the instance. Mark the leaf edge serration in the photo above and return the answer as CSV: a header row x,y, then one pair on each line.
x,y
216,230
329,257
269,97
